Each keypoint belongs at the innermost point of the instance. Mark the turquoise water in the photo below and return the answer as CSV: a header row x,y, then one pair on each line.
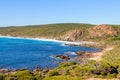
x,y
16,53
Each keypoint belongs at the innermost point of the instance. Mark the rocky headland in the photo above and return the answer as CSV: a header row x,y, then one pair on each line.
x,y
95,36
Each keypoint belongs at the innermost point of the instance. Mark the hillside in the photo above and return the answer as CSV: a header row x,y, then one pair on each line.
x,y
108,67
51,30
61,31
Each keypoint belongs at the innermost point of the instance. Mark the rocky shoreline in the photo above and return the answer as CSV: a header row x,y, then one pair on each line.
x,y
98,33
80,57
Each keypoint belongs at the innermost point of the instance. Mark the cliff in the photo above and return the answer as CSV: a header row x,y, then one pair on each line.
x,y
73,35
102,31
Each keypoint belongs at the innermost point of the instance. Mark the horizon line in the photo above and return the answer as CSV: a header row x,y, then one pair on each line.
x,y
57,23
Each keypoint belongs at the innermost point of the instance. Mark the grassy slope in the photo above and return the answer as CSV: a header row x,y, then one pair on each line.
x,y
52,30
68,71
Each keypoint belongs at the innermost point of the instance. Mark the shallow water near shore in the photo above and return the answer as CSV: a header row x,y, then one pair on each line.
x,y
17,53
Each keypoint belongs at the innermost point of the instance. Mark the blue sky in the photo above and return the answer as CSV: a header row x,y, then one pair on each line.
x,y
31,12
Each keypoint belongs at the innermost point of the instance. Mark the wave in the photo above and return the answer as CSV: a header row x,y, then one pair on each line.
x,y
63,44
51,56
72,53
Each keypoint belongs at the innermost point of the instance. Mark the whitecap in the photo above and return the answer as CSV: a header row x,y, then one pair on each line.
x,y
63,44
72,53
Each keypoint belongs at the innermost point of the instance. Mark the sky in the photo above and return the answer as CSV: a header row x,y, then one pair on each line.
x,y
35,12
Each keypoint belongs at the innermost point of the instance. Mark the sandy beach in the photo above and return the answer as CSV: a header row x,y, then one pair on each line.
x,y
97,56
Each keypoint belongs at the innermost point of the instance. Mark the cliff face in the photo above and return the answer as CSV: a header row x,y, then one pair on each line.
x,y
73,35
102,31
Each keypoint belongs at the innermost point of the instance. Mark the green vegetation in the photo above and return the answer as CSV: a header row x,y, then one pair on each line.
x,y
63,78
52,30
53,73
108,67
20,75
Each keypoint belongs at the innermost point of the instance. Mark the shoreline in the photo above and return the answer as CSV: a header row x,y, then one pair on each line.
x,y
81,43
97,56
52,40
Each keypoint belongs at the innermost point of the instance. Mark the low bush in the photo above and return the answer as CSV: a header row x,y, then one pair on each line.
x,y
53,73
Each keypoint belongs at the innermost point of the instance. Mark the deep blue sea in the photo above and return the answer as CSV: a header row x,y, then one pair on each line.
x,y
17,53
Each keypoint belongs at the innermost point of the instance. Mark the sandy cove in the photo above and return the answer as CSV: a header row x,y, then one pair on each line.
x,y
97,56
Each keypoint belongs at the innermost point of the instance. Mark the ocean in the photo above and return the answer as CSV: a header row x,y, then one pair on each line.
x,y
19,53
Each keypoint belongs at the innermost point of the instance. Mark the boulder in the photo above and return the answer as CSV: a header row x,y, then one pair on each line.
x,y
80,53
37,70
66,57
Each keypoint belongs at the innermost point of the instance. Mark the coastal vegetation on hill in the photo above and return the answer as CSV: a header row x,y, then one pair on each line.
x,y
104,35
51,30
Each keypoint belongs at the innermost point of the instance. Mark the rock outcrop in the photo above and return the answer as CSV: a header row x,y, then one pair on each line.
x,y
80,53
73,35
102,31
66,57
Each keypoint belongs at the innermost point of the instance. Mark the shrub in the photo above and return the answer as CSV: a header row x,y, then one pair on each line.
x,y
111,75
53,73
72,63
63,65
24,75
2,77
63,78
